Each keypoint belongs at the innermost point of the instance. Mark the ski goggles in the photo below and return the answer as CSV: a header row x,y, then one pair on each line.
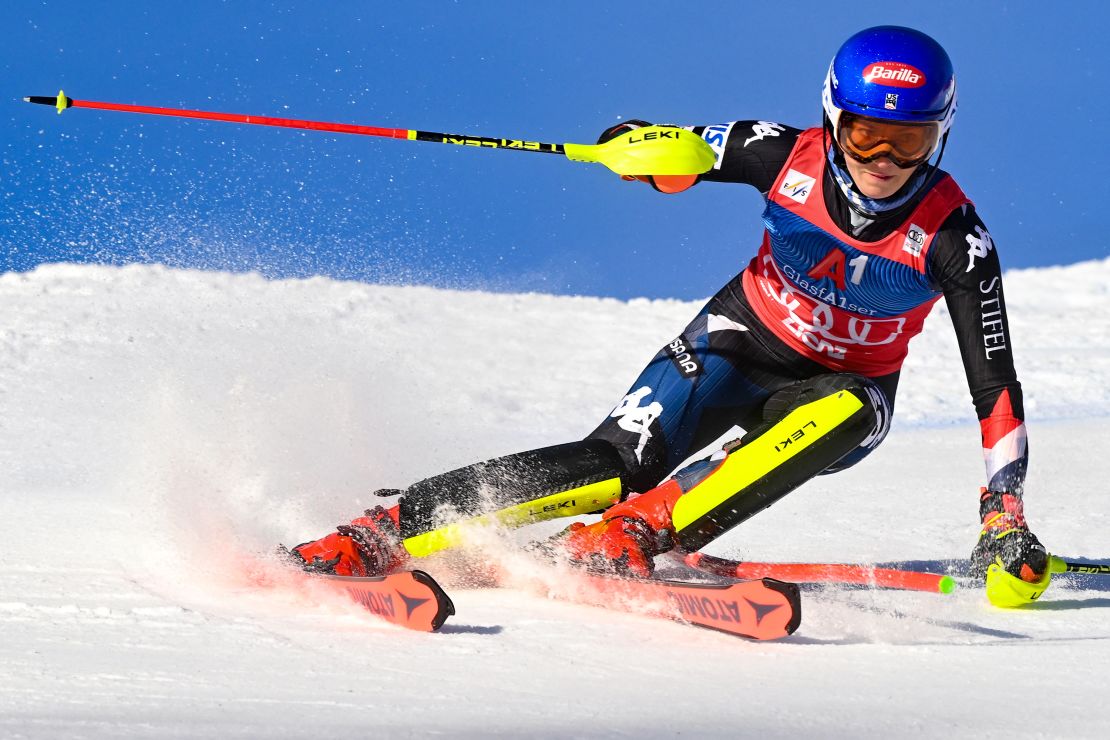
x,y
906,144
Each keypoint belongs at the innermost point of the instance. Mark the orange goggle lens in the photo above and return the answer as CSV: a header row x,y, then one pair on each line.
x,y
906,144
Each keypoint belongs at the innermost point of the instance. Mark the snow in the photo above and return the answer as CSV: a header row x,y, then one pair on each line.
x,y
163,428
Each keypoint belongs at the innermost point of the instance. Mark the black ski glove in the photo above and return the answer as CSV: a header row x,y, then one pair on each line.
x,y
662,183
1006,539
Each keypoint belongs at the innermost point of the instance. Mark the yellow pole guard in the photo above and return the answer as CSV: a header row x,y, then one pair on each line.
x,y
650,150
1009,591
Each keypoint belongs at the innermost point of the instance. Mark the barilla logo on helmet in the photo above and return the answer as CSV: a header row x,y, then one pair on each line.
x,y
894,74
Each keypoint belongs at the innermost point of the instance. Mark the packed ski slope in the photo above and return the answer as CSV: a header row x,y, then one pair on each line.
x,y
159,429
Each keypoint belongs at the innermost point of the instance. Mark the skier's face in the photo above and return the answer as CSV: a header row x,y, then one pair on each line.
x,y
882,155
879,178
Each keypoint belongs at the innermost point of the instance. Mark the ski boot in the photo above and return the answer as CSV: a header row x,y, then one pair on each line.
x,y
369,546
626,540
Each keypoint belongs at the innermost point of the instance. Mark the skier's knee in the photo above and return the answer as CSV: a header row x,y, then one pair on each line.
x,y
874,397
874,400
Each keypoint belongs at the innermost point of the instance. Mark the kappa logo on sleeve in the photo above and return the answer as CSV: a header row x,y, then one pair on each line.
x,y
797,186
763,129
980,246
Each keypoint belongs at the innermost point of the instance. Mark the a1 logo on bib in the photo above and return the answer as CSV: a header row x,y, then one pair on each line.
x,y
797,186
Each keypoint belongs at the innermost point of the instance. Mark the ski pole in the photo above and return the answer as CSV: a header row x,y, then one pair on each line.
x,y
864,575
651,150
1059,565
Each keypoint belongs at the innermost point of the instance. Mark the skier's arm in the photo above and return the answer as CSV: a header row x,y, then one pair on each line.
x,y
966,267
748,152
965,264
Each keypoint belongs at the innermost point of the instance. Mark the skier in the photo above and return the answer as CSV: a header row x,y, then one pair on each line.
x,y
801,350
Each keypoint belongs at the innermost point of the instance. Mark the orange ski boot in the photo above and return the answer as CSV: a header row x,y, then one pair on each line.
x,y
628,537
369,546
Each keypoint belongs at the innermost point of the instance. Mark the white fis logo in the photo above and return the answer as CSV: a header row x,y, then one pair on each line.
x,y
797,186
632,417
980,246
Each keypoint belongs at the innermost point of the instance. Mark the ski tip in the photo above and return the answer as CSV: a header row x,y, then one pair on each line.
x,y
446,606
792,594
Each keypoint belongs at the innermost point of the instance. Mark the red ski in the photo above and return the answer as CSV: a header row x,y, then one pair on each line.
x,y
863,575
410,598
764,609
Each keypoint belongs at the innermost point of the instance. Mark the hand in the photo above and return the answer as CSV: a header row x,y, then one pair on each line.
x,y
1006,540
621,128
662,183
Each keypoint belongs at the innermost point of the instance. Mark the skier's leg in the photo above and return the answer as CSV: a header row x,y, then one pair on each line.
x,y
809,427
717,375
815,426
433,514
514,490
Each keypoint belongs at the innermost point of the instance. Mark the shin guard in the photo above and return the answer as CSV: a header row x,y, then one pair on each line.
x,y
515,490
812,426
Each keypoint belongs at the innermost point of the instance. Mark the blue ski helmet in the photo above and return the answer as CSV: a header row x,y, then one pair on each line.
x,y
892,73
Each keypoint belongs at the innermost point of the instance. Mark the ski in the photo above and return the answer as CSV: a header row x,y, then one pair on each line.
x,y
762,609
409,598
847,574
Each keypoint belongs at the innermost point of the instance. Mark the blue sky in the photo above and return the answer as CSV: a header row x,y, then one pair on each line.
x,y
1028,144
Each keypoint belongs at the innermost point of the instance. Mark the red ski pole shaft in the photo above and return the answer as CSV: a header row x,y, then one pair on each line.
x,y
865,575
62,102
655,150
